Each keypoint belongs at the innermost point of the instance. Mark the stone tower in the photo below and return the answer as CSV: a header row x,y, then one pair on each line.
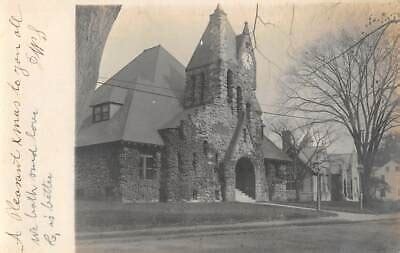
x,y
212,148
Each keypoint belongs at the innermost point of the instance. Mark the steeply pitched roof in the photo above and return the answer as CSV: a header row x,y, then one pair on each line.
x,y
137,87
217,42
272,152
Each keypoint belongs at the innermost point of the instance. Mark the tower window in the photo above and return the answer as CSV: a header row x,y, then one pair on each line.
x,y
205,147
248,111
202,87
181,130
180,163
193,96
245,135
194,162
239,98
229,83
101,112
248,45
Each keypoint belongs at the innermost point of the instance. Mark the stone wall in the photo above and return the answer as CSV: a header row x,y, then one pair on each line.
x,y
133,187
111,171
97,171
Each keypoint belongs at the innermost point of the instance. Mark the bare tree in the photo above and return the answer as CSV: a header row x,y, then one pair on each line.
x,y
352,83
305,145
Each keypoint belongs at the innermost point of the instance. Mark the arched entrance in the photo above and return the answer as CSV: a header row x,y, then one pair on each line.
x,y
245,177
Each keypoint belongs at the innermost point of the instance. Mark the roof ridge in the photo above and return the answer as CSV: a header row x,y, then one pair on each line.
x,y
162,48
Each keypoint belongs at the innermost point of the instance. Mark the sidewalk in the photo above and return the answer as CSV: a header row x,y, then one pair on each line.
x,y
188,231
347,216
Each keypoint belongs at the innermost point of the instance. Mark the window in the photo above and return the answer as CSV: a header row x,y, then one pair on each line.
x,y
387,168
262,130
193,80
239,98
194,163
180,163
383,193
181,130
202,87
244,135
101,112
205,147
217,195
229,83
397,168
248,111
194,195
291,185
147,168
383,177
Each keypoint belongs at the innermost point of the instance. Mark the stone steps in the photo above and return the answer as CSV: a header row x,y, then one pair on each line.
x,y
243,197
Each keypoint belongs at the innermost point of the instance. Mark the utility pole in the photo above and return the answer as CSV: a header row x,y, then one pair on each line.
x,y
360,175
316,172
318,191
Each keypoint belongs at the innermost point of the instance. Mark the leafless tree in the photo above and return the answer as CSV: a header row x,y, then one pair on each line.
x,y
306,145
352,83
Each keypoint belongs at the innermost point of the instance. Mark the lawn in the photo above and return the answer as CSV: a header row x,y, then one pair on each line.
x,y
109,216
375,207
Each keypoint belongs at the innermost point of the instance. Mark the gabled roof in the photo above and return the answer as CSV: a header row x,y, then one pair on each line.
x,y
391,163
272,152
150,90
217,42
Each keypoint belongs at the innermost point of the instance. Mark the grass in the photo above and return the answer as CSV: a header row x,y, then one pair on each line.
x,y
375,207
93,216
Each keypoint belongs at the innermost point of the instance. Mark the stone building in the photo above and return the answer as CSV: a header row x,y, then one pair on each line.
x,y
157,131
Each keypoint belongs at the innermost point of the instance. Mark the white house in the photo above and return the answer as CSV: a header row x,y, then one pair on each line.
x,y
345,183
389,173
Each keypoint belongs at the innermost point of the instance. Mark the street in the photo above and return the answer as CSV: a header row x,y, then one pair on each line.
x,y
367,236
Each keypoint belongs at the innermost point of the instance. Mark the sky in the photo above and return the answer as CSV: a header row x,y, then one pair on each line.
x,y
290,27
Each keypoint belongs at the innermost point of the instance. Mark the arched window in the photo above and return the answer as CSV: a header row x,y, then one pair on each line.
x,y
229,84
193,95
244,134
180,163
194,162
205,147
202,87
239,98
181,130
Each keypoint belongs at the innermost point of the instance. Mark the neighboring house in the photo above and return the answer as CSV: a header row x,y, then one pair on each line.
x,y
157,131
345,180
315,156
299,177
390,175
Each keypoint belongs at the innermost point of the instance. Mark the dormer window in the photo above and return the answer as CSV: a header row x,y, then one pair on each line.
x,y
101,112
